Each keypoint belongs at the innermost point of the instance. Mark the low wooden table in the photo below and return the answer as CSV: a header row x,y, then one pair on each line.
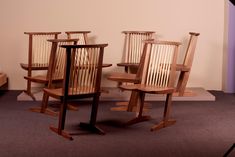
x,y
3,79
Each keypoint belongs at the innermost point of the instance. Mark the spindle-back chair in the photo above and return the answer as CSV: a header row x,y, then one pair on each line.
x,y
133,48
38,54
81,35
82,80
158,77
132,52
55,73
185,68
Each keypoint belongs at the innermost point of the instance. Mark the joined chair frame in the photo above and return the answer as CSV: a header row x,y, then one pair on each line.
x,y
157,72
185,68
55,72
37,50
80,65
133,48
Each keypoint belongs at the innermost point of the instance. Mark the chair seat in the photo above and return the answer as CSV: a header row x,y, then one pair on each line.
x,y
124,77
58,92
148,89
105,65
34,66
41,79
131,65
179,67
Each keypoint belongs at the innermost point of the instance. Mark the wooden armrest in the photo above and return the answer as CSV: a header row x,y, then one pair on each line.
x,y
135,65
181,67
62,40
75,32
38,78
34,66
106,65
124,77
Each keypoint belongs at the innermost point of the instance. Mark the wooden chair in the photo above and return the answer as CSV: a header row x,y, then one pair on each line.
x,y
81,35
185,68
82,80
38,54
133,48
83,39
55,73
132,52
158,77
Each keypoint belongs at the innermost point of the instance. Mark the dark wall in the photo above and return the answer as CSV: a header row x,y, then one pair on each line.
x,y
232,1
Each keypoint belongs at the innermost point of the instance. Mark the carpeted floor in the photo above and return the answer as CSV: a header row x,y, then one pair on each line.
x,y
203,129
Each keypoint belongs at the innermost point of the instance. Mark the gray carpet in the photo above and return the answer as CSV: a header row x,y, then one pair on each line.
x,y
203,129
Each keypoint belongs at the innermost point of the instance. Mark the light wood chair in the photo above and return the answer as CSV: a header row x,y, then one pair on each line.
x,y
133,48
185,68
82,80
38,54
158,77
132,52
181,83
81,35
55,73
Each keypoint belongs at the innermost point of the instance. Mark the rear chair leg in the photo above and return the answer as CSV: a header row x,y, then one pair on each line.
x,y
44,108
140,103
91,126
28,90
60,130
166,121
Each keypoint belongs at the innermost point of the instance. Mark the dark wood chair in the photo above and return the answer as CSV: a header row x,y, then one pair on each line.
x,y
82,80
157,77
55,73
185,68
38,54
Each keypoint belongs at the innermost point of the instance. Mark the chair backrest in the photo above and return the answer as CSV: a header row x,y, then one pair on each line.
x,y
188,59
159,63
81,35
133,45
83,68
39,48
57,58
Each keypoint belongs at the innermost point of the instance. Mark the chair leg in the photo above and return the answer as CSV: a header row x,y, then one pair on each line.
x,y
182,83
166,121
133,101
28,90
63,133
91,126
131,105
229,150
44,108
72,107
62,116
140,103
